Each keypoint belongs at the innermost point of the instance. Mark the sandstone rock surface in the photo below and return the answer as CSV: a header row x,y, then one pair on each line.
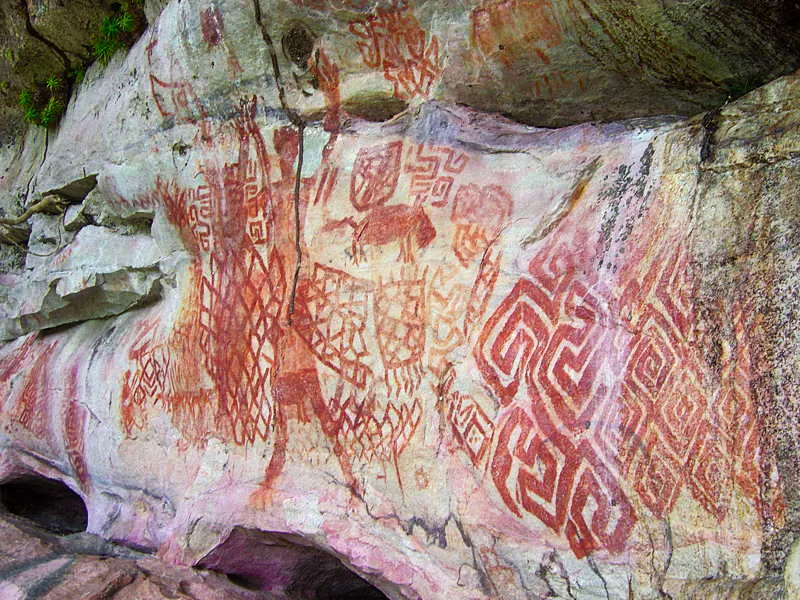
x,y
452,354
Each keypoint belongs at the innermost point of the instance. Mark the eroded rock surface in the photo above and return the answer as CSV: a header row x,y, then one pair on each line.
x,y
453,355
543,62
38,564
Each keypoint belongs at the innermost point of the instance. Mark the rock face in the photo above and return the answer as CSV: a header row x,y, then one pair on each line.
x,y
444,355
542,62
36,563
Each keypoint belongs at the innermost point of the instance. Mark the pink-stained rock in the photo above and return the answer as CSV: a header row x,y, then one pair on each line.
x,y
35,563
442,356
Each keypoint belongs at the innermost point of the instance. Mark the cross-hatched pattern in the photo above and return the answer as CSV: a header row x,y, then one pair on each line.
x,y
400,329
146,382
375,175
371,428
471,426
241,301
446,304
331,316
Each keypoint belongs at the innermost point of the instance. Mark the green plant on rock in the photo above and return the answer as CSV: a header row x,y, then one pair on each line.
x,y
43,105
31,115
53,83
77,74
45,102
117,31
51,112
26,99
105,48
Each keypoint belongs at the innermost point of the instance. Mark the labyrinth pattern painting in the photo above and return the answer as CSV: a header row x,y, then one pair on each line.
x,y
603,394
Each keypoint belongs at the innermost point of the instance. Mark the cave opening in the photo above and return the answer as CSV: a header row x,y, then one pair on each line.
x,y
48,503
288,565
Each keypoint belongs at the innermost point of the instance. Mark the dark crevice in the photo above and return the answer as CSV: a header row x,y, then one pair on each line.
x,y
296,120
376,108
298,45
298,250
285,565
48,503
293,116
34,33
244,581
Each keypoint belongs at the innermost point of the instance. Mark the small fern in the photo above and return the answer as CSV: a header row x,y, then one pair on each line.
x,y
105,48
109,27
31,115
117,31
26,99
53,83
43,105
126,22
51,112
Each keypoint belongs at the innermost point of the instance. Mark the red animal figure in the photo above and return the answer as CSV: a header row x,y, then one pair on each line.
x,y
408,225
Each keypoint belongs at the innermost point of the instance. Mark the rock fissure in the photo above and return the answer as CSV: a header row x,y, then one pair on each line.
x,y
58,51
487,585
300,125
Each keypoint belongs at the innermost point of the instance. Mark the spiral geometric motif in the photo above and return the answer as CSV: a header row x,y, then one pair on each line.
x,y
605,395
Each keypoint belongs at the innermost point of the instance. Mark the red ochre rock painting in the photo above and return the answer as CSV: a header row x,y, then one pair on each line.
x,y
335,4
604,411
587,422
375,175
595,411
591,407
433,171
389,329
331,318
32,410
393,41
212,25
479,213
513,29
237,297
74,427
